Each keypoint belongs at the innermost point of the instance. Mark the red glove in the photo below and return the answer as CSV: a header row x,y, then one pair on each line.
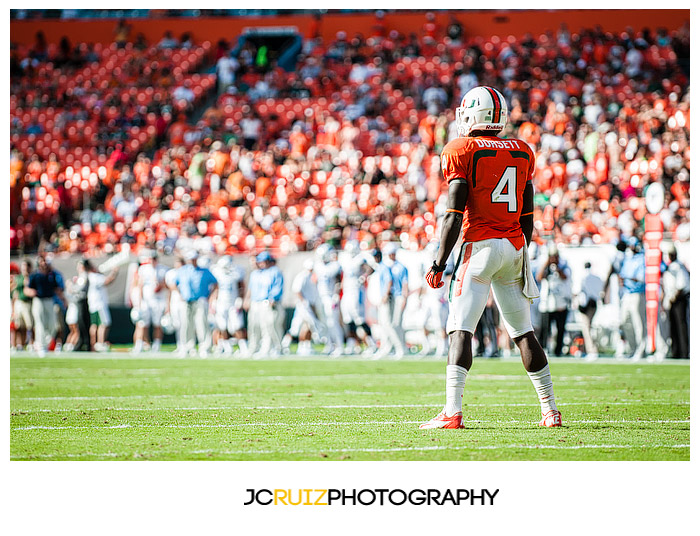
x,y
434,276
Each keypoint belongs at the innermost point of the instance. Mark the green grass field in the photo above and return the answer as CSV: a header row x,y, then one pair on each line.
x,y
117,407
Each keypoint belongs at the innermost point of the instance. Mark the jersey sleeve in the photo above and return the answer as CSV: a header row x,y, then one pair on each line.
x,y
452,165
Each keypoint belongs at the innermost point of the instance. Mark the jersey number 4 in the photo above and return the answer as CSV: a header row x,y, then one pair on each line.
x,y
505,190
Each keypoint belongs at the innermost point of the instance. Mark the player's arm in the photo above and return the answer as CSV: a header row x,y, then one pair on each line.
x,y
527,215
451,229
111,277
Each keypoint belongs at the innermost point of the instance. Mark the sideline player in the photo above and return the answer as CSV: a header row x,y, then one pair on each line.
x,y
152,296
304,289
328,275
433,307
229,306
399,290
352,302
174,306
490,200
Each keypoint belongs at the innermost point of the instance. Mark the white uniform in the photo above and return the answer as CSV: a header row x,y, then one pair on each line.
x,y
304,310
229,311
352,303
153,298
98,300
177,306
327,275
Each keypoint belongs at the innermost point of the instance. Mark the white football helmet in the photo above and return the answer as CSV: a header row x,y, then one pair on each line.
x,y
324,252
352,247
225,262
482,108
166,322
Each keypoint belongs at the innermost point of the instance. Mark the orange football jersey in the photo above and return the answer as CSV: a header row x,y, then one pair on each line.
x,y
497,171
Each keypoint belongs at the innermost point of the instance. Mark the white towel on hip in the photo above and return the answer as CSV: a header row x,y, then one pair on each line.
x,y
530,289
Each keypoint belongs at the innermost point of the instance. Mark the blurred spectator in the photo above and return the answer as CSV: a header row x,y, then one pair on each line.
x,y
77,312
455,31
399,289
382,296
226,67
676,299
265,288
186,40
554,277
22,306
121,33
197,288
98,305
43,286
590,292
633,303
168,41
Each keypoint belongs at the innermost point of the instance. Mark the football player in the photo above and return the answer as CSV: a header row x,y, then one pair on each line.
x,y
352,303
174,308
433,307
399,290
229,328
328,273
304,316
490,203
151,296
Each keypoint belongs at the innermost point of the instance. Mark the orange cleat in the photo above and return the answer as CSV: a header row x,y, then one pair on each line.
x,y
443,421
552,419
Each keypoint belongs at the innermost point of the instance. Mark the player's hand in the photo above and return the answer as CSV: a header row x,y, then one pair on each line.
x,y
434,276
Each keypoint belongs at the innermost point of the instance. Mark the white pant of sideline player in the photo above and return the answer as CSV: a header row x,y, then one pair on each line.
x,y
44,322
263,335
331,318
195,322
388,335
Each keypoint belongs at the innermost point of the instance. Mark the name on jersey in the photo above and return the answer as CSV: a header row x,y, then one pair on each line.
x,y
497,144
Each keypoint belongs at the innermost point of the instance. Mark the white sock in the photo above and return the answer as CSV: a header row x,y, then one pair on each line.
x,y
542,381
455,379
156,345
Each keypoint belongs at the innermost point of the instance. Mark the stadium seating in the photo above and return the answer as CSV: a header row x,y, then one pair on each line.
x,y
364,160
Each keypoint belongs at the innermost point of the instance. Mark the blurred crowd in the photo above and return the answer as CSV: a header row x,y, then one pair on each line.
x,y
346,146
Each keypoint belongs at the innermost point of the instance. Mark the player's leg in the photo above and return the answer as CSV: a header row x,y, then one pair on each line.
x,y
515,311
220,336
201,324
103,328
39,331
469,293
141,327
157,311
392,329
294,329
639,325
